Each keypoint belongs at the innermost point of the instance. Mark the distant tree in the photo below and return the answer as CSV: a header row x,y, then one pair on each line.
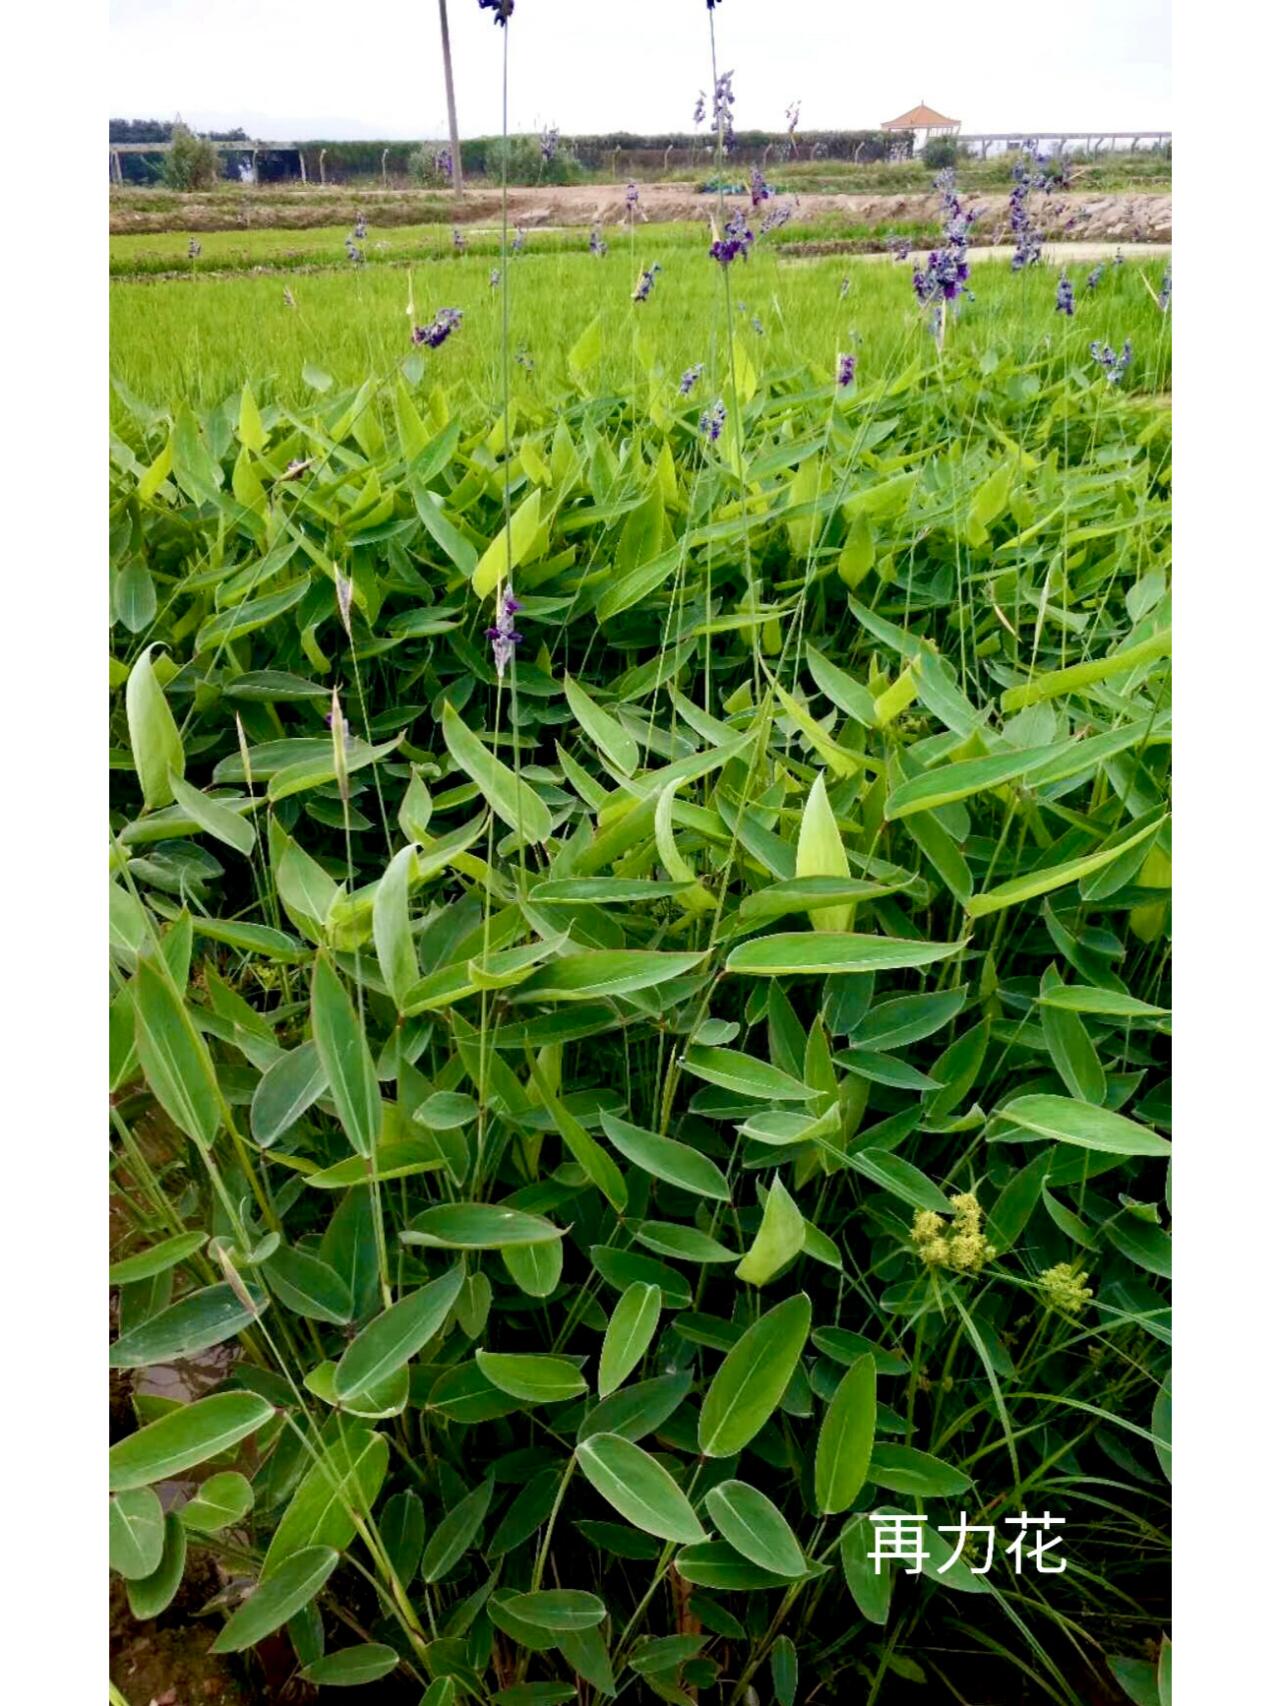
x,y
192,161
940,151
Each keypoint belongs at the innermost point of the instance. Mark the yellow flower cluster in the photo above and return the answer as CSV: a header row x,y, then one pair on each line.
x,y
962,1245
1065,1288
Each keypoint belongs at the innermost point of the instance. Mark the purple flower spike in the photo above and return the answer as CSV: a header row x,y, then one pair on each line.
x,y
459,241
689,378
1091,283
700,107
760,190
644,284
737,240
501,9
597,245
712,423
549,142
495,278
447,320
844,370
503,636
1112,365
193,250
1066,302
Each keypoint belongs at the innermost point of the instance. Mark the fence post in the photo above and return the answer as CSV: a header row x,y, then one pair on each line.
x,y
385,152
323,152
666,156
614,167
117,169
302,163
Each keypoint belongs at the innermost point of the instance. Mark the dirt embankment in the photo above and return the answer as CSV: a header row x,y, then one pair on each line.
x,y
1136,217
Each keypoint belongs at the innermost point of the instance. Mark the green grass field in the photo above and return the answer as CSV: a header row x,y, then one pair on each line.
x,y
199,338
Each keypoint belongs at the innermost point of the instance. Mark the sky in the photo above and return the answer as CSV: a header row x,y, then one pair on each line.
x,y
302,69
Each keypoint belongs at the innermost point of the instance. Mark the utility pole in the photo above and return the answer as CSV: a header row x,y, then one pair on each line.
x,y
455,147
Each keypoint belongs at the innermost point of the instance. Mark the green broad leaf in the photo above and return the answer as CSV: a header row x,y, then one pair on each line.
x,y
845,1439
820,852
818,896
135,1533
174,1056
218,1502
308,1286
558,1609
275,1601
842,690
153,735
685,1243
455,545
784,1668
253,939
907,1019
531,1378
601,891
202,1319
495,566
750,1381
388,1398
1137,1677
595,1161
536,1268
1062,1120
249,617
399,1158
903,1469
638,1409
478,1226
338,1487
274,687
658,1653
402,1528
148,1595
720,1567
628,1335
896,1175
666,1159
821,953
603,731
754,1526
1034,883
594,974
1106,1003
743,1074
588,349
157,1259
392,935
513,800
184,1437
638,1488
321,770
397,1335
947,782
352,1667
215,817
292,1083
779,1238
346,1059
869,1586
1077,676
456,1532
